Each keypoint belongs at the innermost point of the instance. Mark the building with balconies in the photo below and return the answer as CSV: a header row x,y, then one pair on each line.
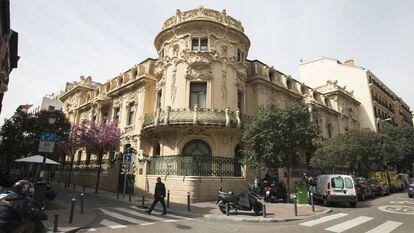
x,y
380,106
185,110
8,48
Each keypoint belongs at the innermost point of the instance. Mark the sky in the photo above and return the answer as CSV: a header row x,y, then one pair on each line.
x,y
60,40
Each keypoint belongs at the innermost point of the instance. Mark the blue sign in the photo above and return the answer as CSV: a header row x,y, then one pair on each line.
x,y
127,158
48,137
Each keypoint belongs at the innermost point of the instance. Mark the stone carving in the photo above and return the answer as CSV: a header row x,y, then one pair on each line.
x,y
199,72
224,81
205,14
173,87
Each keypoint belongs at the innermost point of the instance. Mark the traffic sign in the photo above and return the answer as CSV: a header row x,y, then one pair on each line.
x,y
46,147
127,159
48,137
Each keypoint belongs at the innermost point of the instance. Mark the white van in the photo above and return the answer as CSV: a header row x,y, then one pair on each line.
x,y
334,188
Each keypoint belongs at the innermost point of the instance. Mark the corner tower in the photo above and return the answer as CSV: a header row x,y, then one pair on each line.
x,y
201,51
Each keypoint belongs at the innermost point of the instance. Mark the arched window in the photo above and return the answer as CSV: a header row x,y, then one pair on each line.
x,y
289,84
196,147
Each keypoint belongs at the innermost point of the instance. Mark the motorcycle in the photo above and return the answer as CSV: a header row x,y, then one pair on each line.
x,y
274,191
246,200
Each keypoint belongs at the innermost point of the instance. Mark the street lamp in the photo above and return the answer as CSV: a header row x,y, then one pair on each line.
x,y
381,121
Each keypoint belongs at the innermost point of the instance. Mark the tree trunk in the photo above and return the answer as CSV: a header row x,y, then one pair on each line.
x,y
99,171
70,169
288,184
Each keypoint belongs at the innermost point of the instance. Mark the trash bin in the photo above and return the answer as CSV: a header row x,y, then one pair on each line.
x,y
301,192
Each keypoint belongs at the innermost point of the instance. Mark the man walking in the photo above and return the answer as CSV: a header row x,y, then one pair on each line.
x,y
159,195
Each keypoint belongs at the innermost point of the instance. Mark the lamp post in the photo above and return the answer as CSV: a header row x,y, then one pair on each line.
x,y
381,121
51,121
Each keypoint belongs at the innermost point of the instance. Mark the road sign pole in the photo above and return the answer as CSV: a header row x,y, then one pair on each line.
x,y
125,178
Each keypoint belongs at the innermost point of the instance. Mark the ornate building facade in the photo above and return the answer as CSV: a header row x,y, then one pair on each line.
x,y
185,110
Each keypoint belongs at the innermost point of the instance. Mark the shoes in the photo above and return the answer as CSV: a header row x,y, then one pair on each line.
x,y
148,212
164,213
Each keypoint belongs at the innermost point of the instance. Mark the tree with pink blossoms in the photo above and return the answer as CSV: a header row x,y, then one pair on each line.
x,y
70,146
99,138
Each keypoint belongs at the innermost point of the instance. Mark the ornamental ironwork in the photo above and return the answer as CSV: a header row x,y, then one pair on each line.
x,y
195,165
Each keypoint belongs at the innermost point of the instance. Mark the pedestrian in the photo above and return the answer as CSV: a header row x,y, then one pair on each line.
x,y
256,184
159,195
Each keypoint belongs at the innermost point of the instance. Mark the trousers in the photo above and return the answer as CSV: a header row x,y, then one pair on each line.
x,y
156,200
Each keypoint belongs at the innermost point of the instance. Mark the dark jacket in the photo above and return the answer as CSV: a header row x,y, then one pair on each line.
x,y
159,190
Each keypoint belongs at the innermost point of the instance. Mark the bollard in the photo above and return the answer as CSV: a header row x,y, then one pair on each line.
x,y
129,197
55,222
74,187
295,204
117,194
84,188
143,201
72,209
168,199
81,202
312,202
188,201
264,211
227,209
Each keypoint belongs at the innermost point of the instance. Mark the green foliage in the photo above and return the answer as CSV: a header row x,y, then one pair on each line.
x,y
403,140
21,133
353,149
273,136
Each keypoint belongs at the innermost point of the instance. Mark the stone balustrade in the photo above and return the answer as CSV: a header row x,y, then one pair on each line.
x,y
195,116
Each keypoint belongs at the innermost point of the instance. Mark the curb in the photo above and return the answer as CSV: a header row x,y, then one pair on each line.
x,y
84,225
259,219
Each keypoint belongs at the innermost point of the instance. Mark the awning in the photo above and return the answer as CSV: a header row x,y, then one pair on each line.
x,y
36,159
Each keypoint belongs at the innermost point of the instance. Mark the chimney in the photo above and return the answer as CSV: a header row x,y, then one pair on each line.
x,y
349,62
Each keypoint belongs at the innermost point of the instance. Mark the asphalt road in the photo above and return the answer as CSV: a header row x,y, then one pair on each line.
x,y
394,213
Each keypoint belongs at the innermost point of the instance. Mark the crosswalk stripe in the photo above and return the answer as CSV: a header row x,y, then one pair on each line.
x,y
131,212
168,215
112,225
322,220
341,227
386,227
125,218
91,229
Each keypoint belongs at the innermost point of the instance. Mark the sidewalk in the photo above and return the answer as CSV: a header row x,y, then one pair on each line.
x,y
276,212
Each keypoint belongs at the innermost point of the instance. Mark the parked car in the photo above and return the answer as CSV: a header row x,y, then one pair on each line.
x,y
376,187
388,178
405,179
411,189
334,188
362,188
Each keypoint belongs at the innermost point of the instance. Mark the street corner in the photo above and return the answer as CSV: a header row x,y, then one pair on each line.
x,y
79,221
270,217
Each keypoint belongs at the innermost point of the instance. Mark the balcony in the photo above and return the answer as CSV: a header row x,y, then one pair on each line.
x,y
195,165
179,117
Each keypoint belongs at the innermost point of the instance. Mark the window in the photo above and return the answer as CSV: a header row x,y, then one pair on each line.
x,y
157,150
131,114
329,130
105,116
240,100
271,76
196,147
51,108
199,44
348,183
337,182
289,84
240,55
198,95
116,115
159,95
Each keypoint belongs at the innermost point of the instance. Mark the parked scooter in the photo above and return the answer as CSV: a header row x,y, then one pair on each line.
x,y
274,191
246,200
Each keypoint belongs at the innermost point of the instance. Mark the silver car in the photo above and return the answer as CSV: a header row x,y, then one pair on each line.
x,y
411,189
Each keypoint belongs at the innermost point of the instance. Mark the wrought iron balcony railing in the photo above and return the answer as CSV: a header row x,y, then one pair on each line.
x,y
195,165
196,116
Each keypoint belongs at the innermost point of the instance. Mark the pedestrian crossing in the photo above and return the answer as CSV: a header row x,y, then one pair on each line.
x,y
122,217
348,224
